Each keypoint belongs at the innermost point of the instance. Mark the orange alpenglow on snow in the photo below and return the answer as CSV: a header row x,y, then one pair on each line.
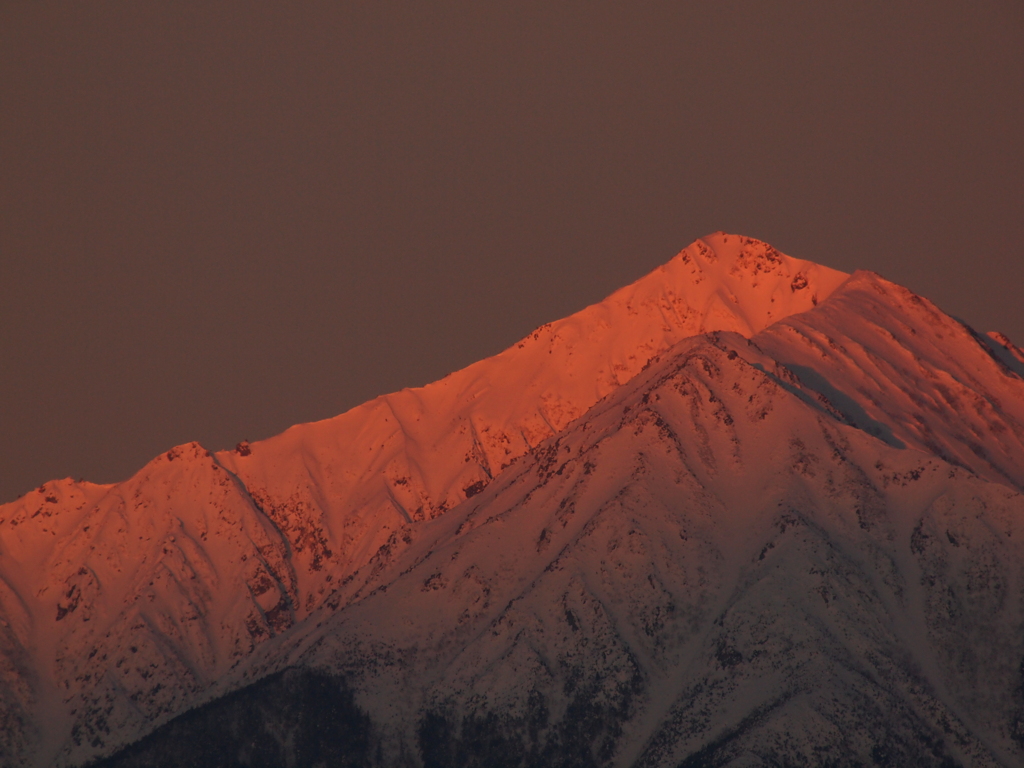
x,y
125,604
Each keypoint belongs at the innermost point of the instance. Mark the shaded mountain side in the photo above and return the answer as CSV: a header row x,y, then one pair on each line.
x,y
706,570
297,717
339,488
623,541
896,366
131,599
306,717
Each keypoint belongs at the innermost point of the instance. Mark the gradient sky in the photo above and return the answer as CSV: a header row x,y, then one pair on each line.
x,y
217,220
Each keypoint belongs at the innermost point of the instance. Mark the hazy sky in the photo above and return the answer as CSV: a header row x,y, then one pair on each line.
x,y
217,220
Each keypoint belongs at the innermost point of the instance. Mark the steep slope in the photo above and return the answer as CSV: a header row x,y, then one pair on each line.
x,y
120,603
1006,351
893,364
147,592
625,541
338,488
705,570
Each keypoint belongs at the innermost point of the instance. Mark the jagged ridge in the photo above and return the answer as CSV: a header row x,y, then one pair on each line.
x,y
126,603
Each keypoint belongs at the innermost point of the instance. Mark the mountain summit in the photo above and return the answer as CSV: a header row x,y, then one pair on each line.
x,y
746,511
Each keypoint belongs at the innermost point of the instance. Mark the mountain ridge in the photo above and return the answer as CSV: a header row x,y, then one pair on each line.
x,y
419,634
242,552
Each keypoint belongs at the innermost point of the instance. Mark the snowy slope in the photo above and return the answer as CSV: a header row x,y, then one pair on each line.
x,y
898,367
445,522
338,488
135,596
121,602
705,568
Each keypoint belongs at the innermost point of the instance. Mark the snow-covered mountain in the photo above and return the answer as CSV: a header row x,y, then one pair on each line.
x,y
748,510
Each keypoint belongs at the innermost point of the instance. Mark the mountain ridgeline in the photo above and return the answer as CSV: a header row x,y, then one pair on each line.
x,y
746,511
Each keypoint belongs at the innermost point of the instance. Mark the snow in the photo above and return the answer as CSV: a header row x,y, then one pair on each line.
x,y
413,454
899,368
651,494
668,552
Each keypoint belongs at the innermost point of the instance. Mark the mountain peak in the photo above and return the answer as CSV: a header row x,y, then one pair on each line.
x,y
741,284
734,412
492,412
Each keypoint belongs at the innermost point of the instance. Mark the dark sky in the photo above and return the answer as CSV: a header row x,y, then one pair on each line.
x,y
217,220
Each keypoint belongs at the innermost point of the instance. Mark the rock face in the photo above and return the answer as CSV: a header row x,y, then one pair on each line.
x,y
746,511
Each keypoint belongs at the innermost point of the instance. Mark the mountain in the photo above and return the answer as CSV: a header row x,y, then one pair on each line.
x,y
745,511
